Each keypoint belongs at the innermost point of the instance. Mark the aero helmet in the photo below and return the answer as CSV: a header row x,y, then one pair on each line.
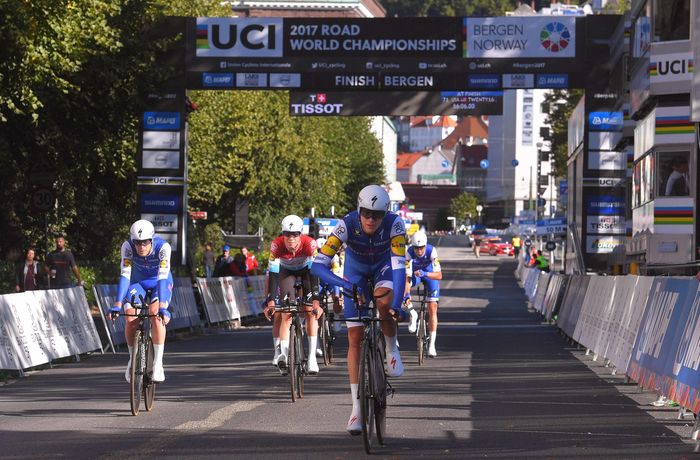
x,y
373,197
142,230
420,239
292,223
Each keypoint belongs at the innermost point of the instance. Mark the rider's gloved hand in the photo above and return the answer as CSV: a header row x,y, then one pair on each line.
x,y
164,314
422,273
114,312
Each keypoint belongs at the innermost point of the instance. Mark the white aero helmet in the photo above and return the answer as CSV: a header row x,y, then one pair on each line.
x,y
320,242
142,230
373,197
420,239
292,223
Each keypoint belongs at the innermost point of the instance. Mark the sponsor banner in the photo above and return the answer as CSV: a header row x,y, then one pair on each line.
x,y
605,121
553,81
240,37
218,80
161,121
169,140
160,203
658,356
519,80
573,300
484,81
547,226
160,180
603,244
520,37
605,205
228,298
162,222
251,80
396,103
170,238
39,326
607,161
160,159
606,225
603,140
602,181
670,73
285,80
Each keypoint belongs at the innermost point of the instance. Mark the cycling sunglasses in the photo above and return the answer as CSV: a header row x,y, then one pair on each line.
x,y
142,242
369,214
291,234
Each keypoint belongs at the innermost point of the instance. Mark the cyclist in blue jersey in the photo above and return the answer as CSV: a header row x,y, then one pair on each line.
x,y
145,265
375,242
423,266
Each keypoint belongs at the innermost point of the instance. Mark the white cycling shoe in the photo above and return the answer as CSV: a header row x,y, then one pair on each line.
x,y
313,367
432,352
158,375
277,355
282,363
354,424
413,324
394,366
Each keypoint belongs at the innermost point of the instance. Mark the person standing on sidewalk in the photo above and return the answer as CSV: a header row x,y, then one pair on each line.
x,y
59,265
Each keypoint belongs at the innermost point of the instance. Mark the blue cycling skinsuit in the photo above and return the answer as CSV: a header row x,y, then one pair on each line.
x,y
427,263
381,256
139,274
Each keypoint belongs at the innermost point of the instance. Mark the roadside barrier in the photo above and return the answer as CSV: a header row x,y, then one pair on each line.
x,y
229,298
183,308
37,327
645,327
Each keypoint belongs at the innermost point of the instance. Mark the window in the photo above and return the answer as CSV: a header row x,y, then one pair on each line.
x,y
672,174
642,185
671,20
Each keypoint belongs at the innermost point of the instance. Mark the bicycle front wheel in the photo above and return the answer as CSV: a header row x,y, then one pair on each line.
x,y
380,388
300,362
291,359
420,337
136,376
149,387
365,388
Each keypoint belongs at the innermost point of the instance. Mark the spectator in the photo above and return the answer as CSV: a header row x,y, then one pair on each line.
x,y
677,183
516,246
59,264
237,267
28,273
542,262
251,263
533,258
208,261
222,261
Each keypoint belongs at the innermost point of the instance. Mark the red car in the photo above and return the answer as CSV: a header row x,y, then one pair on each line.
x,y
495,245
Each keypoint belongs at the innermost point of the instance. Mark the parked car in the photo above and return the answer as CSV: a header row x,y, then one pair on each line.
x,y
495,245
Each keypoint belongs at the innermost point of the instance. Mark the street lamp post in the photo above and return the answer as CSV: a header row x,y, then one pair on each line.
x,y
479,208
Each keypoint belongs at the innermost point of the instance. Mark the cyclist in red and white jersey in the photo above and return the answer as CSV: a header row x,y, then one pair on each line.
x,y
291,255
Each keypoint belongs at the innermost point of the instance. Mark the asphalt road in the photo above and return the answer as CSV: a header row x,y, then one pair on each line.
x,y
504,385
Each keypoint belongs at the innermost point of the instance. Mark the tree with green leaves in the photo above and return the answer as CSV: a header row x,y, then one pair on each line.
x,y
463,205
561,104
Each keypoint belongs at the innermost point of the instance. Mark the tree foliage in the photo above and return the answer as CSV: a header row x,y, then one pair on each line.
x,y
561,104
463,205
71,79
408,8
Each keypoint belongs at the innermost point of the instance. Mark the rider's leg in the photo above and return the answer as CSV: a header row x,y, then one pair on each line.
x,y
354,426
158,336
383,297
276,322
433,289
312,333
285,323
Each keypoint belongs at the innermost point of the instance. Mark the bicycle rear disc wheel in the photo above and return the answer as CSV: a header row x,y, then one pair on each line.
x,y
380,399
420,338
300,363
136,374
149,387
291,358
366,396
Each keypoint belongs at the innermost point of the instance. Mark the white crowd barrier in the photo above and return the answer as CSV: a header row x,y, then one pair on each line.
x,y
183,308
646,327
37,327
229,298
